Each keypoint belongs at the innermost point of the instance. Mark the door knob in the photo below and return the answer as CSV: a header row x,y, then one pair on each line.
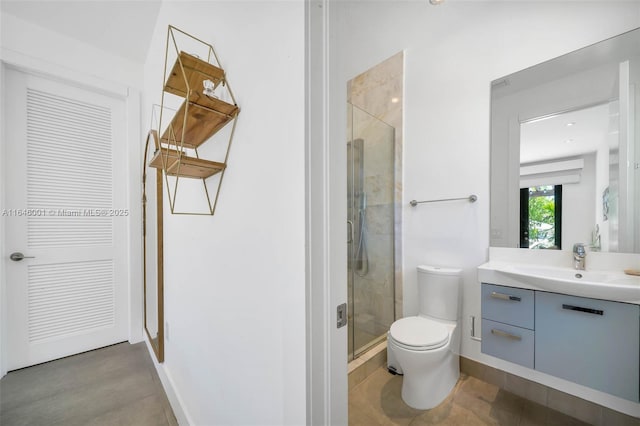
x,y
17,256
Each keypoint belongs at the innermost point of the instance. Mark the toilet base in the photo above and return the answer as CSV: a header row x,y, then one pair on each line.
x,y
426,389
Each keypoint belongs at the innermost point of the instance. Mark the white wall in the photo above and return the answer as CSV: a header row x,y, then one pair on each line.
x,y
453,52
235,281
64,56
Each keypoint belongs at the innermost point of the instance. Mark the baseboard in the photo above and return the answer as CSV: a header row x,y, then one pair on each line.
x,y
571,405
360,368
173,396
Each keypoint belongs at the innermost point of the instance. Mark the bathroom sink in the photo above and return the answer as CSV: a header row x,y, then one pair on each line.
x,y
545,274
608,285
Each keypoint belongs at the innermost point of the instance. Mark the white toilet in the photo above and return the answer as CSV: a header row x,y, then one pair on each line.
x,y
425,348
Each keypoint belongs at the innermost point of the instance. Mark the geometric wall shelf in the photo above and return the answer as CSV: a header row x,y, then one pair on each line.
x,y
203,112
175,164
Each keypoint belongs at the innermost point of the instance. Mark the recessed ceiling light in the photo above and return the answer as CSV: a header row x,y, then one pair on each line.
x,y
569,141
395,100
572,123
435,2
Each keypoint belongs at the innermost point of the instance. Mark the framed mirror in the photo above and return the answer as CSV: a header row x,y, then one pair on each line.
x,y
565,151
152,228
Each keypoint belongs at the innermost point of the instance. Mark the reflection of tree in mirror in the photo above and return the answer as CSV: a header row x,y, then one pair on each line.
x,y
542,217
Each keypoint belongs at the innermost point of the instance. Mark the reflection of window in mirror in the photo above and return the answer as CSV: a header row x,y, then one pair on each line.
x,y
541,217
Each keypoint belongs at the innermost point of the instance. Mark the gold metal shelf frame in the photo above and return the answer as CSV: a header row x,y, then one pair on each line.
x,y
199,118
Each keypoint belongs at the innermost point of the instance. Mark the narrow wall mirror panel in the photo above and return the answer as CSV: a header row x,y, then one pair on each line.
x,y
152,226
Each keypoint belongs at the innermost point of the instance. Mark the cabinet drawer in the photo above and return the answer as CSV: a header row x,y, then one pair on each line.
x,y
507,342
590,342
508,305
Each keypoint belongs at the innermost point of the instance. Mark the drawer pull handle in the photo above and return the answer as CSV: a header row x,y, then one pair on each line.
x,y
503,296
505,334
581,309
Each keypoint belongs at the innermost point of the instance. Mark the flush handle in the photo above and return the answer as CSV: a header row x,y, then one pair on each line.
x,y
341,315
503,296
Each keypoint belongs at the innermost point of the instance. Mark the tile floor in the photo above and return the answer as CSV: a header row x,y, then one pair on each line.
x,y
116,385
377,401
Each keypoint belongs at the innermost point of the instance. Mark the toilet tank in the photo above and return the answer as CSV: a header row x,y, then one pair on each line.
x,y
438,292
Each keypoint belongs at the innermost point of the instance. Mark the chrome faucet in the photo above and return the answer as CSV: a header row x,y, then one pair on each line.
x,y
579,253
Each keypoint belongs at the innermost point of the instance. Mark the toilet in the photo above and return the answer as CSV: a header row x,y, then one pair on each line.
x,y
425,348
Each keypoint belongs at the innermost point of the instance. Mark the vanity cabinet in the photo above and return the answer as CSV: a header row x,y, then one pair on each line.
x,y
591,342
508,323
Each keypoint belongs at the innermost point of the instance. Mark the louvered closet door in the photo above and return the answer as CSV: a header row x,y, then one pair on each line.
x,y
65,206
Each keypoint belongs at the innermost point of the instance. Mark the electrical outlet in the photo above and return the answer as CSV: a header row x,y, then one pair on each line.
x,y
166,331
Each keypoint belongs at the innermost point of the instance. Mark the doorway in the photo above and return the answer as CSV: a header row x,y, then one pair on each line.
x,y
65,219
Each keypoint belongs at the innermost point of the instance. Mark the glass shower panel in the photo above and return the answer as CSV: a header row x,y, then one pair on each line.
x,y
370,222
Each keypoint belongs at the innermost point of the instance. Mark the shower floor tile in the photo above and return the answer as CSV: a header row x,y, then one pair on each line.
x,y
377,401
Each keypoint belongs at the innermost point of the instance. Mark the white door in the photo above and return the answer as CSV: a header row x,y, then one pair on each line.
x,y
65,210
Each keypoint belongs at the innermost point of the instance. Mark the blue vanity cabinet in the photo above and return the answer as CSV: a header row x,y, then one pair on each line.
x,y
595,343
508,323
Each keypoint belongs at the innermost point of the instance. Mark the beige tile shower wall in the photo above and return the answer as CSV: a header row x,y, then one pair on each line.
x,y
379,92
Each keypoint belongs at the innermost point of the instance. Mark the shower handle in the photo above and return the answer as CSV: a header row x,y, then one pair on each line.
x,y
350,232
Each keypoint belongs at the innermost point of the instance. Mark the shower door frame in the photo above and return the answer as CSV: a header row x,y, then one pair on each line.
x,y
356,208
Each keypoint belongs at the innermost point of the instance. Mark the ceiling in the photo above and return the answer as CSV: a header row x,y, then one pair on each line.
x,y
567,135
606,54
123,28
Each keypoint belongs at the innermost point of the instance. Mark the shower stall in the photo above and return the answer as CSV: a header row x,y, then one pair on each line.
x,y
370,225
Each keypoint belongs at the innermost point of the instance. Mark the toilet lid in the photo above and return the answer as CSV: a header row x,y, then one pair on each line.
x,y
419,332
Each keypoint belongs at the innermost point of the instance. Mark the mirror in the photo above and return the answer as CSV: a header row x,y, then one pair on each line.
x,y
565,152
152,229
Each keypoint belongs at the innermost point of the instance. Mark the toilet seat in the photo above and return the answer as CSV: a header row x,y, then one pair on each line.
x,y
419,334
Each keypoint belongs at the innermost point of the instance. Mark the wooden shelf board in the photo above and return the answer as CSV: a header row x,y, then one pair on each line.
x,y
196,71
203,121
190,167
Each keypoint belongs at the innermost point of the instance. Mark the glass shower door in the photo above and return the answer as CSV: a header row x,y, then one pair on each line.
x,y
370,223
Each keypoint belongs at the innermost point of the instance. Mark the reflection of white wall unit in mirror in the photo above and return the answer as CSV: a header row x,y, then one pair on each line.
x,y
603,150
628,220
578,215
551,173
